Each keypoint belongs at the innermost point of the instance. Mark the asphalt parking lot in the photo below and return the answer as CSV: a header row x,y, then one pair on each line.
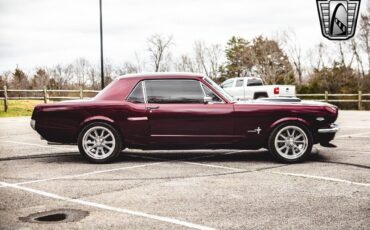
x,y
212,189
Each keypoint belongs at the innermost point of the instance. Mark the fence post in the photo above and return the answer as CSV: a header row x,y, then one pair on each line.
x,y
5,99
326,96
359,100
45,95
81,93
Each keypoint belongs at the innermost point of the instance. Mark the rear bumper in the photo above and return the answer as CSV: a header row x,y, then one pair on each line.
x,y
334,128
33,124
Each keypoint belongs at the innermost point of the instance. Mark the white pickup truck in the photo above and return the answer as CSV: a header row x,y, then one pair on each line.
x,y
253,88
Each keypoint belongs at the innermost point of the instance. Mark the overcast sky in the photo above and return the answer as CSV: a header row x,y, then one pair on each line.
x,y
48,32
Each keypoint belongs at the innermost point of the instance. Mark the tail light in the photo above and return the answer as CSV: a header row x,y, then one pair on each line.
x,y
276,90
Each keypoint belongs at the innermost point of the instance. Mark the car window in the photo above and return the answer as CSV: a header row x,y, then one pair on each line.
x,y
227,83
174,91
254,82
239,82
209,93
137,95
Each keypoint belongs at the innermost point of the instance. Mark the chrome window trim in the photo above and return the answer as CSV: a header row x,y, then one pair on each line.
x,y
144,92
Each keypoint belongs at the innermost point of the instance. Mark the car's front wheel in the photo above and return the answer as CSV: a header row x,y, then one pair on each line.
x,y
290,142
99,142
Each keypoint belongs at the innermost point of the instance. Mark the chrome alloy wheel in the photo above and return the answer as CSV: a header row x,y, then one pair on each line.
x,y
291,142
98,142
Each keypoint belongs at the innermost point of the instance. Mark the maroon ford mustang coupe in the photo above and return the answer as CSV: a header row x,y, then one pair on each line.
x,y
183,111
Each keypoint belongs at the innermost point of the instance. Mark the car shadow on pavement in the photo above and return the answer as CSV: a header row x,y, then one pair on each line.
x,y
198,156
156,156
138,156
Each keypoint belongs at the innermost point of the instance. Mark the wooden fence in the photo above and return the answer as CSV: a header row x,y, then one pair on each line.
x,y
358,98
45,95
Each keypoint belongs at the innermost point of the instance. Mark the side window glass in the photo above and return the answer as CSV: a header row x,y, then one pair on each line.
x,y
137,95
211,94
174,91
254,82
239,82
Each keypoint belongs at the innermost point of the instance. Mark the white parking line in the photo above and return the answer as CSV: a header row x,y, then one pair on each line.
x,y
213,166
38,145
322,178
280,173
107,207
84,174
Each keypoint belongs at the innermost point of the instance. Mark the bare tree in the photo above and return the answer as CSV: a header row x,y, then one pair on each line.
x,y
354,46
200,57
81,66
131,67
365,33
290,43
185,64
5,78
316,56
208,58
158,47
94,77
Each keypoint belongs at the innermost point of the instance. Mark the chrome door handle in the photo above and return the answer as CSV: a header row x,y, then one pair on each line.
x,y
152,107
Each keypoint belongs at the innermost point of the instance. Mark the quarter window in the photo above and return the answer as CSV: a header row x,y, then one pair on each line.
x,y
137,95
174,91
211,94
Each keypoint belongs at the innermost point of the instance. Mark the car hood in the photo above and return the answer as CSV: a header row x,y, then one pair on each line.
x,y
284,102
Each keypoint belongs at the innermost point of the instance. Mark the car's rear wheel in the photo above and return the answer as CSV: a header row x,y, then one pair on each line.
x,y
99,142
290,142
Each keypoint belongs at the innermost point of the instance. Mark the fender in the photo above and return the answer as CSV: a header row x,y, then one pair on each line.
x,y
101,119
285,119
96,118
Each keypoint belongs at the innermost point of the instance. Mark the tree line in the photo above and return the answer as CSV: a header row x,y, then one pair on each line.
x,y
343,68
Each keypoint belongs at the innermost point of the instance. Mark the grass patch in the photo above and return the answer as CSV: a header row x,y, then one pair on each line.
x,y
18,108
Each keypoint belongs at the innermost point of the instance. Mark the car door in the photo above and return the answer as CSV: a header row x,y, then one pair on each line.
x,y
178,114
135,124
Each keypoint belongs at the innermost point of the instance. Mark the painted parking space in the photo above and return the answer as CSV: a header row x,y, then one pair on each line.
x,y
200,189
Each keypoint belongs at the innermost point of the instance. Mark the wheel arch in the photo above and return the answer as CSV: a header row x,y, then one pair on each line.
x,y
275,127
285,120
260,93
102,119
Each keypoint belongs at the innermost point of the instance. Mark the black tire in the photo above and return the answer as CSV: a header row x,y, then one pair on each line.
x,y
278,155
116,139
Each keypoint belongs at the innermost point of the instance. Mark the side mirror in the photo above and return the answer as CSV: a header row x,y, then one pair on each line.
x,y
208,100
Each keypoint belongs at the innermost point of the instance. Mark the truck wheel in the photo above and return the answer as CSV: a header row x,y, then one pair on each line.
x,y
290,142
99,142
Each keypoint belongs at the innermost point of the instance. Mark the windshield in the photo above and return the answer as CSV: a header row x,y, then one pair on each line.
x,y
220,90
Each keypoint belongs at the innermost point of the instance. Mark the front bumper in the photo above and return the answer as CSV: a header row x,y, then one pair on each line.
x,y
327,134
334,128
